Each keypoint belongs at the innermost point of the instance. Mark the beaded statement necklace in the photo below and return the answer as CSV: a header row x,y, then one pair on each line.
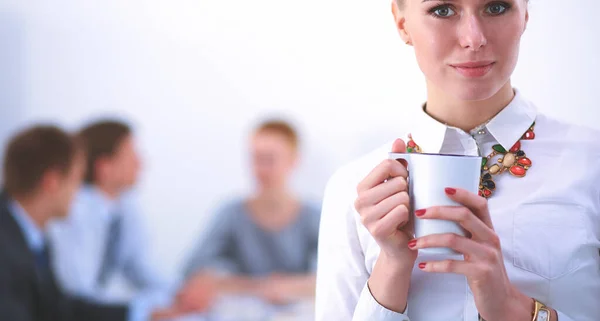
x,y
514,161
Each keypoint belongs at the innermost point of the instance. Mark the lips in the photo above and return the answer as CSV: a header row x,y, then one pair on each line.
x,y
475,69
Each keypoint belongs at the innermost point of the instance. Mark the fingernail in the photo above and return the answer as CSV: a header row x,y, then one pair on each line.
x,y
420,212
412,243
422,265
450,191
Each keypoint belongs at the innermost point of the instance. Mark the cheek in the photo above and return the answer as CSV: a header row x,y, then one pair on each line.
x,y
432,48
133,167
508,52
136,161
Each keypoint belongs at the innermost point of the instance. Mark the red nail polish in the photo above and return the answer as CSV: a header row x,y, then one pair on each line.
x,y
420,212
422,265
450,191
412,243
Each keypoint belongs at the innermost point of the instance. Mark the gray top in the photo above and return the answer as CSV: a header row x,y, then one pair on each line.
x,y
234,243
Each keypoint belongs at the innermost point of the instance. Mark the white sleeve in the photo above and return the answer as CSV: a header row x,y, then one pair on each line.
x,y
562,317
139,262
342,292
369,309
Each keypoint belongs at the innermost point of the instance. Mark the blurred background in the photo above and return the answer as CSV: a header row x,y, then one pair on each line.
x,y
194,77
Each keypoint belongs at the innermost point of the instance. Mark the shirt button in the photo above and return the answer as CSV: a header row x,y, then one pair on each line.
x,y
481,132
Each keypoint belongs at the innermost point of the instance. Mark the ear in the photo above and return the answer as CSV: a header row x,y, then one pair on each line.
x,y
101,167
51,180
400,22
526,19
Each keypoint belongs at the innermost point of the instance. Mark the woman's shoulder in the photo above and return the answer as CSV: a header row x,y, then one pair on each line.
x,y
576,145
551,129
311,210
231,208
309,206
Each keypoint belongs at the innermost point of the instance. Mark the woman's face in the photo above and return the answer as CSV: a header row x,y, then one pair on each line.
x,y
465,48
273,159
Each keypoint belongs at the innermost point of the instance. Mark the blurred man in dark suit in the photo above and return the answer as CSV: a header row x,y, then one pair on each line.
x,y
43,168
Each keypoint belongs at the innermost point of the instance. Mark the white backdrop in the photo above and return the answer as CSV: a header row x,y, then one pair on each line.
x,y
195,75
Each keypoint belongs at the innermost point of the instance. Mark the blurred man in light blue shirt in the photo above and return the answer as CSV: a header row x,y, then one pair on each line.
x,y
103,241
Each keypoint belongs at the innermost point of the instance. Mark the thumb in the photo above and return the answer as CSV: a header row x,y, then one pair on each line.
x,y
399,146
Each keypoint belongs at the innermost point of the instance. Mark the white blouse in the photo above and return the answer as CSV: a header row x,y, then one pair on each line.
x,y
548,223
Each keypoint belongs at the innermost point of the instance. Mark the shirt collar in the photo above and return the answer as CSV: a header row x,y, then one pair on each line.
x,y
103,205
33,234
507,127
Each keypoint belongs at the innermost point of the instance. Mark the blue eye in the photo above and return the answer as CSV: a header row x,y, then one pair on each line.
x,y
443,12
496,9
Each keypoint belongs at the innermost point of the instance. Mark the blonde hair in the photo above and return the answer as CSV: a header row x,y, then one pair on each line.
x,y
279,127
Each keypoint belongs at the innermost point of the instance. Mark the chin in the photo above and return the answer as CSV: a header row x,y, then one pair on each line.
x,y
63,214
265,186
475,90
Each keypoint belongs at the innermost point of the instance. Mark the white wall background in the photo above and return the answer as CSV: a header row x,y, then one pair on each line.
x,y
194,75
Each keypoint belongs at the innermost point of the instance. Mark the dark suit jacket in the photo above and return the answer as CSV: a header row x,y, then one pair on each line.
x,y
23,297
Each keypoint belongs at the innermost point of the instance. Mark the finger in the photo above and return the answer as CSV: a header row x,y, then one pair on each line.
x,y
186,297
378,211
386,169
477,204
463,216
381,192
447,266
469,269
186,303
192,303
390,223
472,250
398,146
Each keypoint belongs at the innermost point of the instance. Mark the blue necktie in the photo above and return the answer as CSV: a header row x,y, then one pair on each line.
x,y
42,265
110,259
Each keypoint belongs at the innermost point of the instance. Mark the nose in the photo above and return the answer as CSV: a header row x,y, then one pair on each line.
x,y
471,33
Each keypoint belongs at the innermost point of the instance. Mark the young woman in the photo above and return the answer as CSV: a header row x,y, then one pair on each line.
x,y
534,229
264,245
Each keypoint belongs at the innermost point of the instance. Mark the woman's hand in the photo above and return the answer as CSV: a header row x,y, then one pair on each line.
x,y
383,205
495,297
199,293
283,288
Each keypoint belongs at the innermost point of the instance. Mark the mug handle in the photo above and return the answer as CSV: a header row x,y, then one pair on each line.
x,y
402,156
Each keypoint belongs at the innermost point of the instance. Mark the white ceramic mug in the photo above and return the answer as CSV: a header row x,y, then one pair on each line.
x,y
428,177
